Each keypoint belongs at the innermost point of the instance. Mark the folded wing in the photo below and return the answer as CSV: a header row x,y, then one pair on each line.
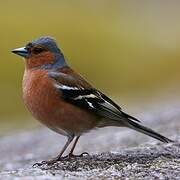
x,y
87,98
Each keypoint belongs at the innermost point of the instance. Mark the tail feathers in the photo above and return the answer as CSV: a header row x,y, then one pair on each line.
x,y
147,131
130,117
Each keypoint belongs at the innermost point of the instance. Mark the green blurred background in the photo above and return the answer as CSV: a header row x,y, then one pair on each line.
x,y
128,49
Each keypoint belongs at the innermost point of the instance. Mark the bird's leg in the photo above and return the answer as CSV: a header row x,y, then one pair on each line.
x,y
59,157
70,155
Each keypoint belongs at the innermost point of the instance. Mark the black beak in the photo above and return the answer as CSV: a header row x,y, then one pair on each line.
x,y
21,52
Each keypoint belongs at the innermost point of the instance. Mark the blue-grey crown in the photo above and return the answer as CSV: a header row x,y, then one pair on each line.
x,y
48,42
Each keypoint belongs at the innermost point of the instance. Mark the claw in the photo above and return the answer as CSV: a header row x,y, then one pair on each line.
x,y
50,162
38,164
84,154
69,156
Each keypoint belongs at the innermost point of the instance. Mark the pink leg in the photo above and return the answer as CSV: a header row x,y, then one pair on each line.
x,y
70,155
59,157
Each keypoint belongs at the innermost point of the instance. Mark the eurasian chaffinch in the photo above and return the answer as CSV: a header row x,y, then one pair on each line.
x,y
64,101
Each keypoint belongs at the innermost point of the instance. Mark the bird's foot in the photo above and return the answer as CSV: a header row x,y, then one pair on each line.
x,y
69,156
52,161
49,162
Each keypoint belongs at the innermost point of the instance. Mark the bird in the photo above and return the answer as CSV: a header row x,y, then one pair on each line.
x,y
64,101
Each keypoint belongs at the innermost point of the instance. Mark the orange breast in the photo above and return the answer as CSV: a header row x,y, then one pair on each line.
x,y
46,104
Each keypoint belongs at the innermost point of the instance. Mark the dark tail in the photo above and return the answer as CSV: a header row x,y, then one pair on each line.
x,y
147,131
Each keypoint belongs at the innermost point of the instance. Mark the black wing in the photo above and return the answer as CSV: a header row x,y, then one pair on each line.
x,y
93,100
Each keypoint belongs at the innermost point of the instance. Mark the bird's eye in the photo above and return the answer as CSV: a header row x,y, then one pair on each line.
x,y
38,50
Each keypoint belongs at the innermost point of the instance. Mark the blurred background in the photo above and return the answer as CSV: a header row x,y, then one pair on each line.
x,y
130,50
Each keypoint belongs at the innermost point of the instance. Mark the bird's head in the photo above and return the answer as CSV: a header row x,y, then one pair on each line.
x,y
42,53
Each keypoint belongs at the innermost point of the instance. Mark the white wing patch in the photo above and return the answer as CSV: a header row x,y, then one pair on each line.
x,y
79,97
90,104
64,87
85,96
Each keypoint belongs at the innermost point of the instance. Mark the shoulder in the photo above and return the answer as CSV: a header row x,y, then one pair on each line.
x,y
69,77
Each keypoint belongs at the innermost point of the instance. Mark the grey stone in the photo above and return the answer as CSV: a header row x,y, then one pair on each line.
x,y
115,153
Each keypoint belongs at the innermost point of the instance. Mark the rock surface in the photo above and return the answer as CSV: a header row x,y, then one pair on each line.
x,y
116,153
